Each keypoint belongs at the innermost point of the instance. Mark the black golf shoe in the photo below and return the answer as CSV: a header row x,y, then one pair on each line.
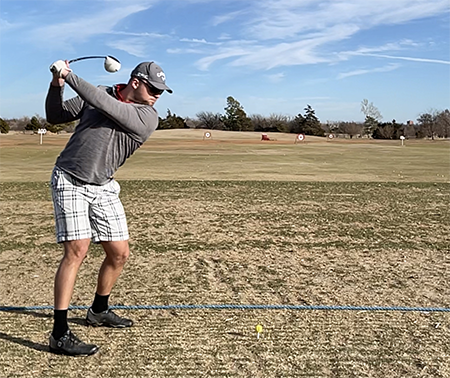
x,y
107,319
71,345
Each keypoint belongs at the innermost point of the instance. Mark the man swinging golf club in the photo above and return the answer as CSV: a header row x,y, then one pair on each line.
x,y
114,122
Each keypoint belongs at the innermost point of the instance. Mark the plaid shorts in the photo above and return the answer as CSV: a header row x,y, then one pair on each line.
x,y
84,211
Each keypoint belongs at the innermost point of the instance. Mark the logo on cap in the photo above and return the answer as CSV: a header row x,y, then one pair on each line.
x,y
161,75
142,75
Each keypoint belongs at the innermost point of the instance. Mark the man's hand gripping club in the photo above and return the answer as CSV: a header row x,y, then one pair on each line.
x,y
60,69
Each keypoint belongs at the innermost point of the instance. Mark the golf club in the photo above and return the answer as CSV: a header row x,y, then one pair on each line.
x,y
111,64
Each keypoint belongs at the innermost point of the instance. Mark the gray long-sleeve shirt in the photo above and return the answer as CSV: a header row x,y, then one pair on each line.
x,y
108,133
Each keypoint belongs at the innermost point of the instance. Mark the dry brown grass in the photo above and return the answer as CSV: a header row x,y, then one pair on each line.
x,y
243,242
184,155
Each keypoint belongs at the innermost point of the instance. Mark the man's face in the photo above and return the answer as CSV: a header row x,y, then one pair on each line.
x,y
147,93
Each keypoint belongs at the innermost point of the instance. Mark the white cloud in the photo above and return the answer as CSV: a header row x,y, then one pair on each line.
x,y
424,60
276,78
182,3
81,29
138,43
146,35
388,68
224,37
392,47
6,25
200,41
217,20
308,29
275,19
263,56
184,51
133,46
204,63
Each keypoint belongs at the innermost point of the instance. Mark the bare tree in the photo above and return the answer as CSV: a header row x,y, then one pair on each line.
x,y
279,122
373,116
443,123
19,124
370,110
386,131
210,120
351,128
409,131
274,123
192,123
427,125
331,127
260,123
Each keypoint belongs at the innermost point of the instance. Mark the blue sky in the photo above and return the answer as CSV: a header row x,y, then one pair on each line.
x,y
273,56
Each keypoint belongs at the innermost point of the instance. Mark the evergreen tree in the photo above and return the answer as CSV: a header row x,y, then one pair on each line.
x,y
59,127
172,121
307,124
370,125
298,124
235,118
4,126
34,124
312,124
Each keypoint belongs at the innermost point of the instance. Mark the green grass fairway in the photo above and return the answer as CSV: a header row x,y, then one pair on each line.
x,y
234,220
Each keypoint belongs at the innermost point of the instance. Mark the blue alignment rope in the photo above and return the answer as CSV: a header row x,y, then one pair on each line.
x,y
238,307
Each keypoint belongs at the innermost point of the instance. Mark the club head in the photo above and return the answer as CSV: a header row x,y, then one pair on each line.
x,y
111,64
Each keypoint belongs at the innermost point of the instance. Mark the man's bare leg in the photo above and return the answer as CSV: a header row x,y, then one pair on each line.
x,y
62,340
117,253
74,253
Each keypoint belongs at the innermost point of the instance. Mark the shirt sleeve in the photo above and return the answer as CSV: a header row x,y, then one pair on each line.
x,y
59,111
139,120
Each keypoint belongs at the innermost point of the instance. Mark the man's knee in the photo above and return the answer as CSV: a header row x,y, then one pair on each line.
x,y
122,257
117,251
76,250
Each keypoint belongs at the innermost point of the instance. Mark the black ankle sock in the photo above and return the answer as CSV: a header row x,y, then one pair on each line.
x,y
100,303
60,325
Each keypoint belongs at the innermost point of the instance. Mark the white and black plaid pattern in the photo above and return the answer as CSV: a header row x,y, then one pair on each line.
x,y
84,211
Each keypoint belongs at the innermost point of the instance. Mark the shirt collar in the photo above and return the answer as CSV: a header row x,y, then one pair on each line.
x,y
117,89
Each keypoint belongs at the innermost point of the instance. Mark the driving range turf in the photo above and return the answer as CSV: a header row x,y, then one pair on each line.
x,y
234,220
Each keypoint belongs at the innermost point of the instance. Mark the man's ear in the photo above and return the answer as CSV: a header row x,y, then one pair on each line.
x,y
134,83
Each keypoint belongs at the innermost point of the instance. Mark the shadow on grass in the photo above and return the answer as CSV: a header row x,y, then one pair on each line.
x,y
31,344
26,343
36,314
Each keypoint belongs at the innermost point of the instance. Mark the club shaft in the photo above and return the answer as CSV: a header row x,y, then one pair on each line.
x,y
87,57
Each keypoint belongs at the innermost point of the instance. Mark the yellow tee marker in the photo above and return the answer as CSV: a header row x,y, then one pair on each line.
x,y
259,329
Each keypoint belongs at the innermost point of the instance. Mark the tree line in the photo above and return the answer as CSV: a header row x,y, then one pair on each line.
x,y
33,124
435,124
